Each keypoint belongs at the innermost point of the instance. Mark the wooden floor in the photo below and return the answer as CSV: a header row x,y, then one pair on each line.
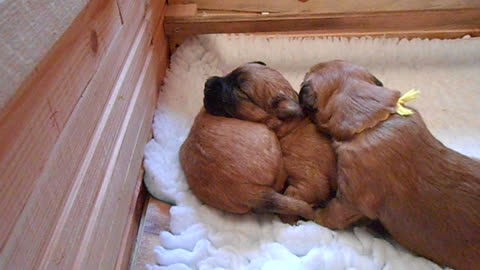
x,y
156,218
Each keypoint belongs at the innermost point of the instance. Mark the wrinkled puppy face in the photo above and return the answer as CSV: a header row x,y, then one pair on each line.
x,y
250,92
344,99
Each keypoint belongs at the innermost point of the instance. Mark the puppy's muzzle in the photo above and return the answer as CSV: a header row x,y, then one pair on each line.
x,y
211,83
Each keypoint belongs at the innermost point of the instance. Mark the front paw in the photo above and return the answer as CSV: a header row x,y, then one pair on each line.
x,y
319,216
289,219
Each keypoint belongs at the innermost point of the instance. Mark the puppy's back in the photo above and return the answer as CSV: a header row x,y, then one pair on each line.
x,y
310,162
428,195
225,159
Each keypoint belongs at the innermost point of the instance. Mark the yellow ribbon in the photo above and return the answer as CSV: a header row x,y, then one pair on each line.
x,y
409,96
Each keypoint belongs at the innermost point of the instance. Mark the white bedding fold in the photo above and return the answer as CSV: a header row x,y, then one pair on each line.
x,y
205,238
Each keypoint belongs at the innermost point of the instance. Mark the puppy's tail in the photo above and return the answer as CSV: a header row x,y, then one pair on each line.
x,y
271,201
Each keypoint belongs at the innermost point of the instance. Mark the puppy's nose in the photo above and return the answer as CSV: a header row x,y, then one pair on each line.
x,y
211,82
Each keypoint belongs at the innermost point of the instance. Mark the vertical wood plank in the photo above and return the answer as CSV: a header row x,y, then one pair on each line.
x,y
32,122
73,196
28,30
81,202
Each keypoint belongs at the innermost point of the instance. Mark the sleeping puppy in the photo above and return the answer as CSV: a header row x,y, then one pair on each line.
x,y
237,166
391,168
257,93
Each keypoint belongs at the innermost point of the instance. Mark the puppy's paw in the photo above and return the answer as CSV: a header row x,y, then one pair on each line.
x,y
319,216
289,219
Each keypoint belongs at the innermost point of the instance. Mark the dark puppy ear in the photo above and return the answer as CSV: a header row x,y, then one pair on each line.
x,y
308,98
258,62
376,81
359,108
284,107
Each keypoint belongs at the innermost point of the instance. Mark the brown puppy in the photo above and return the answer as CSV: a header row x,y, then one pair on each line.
x,y
237,166
255,92
391,168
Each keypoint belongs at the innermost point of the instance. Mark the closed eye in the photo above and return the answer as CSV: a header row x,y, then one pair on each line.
x,y
248,97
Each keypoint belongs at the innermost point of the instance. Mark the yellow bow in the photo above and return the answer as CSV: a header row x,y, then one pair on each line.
x,y
409,96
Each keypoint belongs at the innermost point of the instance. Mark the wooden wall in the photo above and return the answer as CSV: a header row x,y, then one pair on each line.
x,y
347,18
28,29
72,141
327,6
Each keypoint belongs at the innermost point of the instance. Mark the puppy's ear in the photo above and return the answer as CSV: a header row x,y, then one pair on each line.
x,y
308,98
284,107
258,62
376,81
359,108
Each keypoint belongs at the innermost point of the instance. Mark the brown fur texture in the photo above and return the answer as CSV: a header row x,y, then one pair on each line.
x,y
261,94
237,166
391,168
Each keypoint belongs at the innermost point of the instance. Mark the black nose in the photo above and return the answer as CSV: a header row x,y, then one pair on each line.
x,y
212,82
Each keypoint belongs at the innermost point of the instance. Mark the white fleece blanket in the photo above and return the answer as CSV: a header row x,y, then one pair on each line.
x,y
204,238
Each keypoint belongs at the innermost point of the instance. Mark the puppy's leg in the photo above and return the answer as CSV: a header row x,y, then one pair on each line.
x,y
304,190
281,179
271,201
338,215
294,193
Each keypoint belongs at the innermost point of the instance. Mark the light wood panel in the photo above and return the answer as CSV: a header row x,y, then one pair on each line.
x,y
454,23
136,210
156,219
160,61
452,34
33,121
326,6
28,29
181,10
75,207
385,22
110,109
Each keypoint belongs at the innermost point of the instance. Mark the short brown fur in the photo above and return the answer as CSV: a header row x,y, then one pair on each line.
x,y
391,168
237,166
264,95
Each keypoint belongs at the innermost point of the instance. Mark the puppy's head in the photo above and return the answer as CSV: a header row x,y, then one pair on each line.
x,y
251,89
344,99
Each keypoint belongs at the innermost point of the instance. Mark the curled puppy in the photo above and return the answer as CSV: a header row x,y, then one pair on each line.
x,y
255,92
237,166
391,168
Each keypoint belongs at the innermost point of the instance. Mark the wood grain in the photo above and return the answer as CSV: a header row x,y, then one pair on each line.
x,y
384,22
327,6
75,209
452,34
28,30
113,204
138,205
33,121
181,10
66,167
156,219
159,64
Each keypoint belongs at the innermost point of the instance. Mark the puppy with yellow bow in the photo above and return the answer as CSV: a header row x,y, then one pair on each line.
x,y
391,168
258,93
